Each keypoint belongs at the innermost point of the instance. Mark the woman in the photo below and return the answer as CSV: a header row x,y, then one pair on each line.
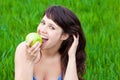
x,y
61,56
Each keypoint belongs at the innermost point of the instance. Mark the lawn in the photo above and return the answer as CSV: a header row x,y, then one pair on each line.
x,y
100,20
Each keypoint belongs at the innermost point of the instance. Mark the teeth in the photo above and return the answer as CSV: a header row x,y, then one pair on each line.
x,y
44,37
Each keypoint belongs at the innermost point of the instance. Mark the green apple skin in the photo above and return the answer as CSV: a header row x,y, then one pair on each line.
x,y
34,37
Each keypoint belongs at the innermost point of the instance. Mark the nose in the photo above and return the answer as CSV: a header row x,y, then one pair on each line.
x,y
41,29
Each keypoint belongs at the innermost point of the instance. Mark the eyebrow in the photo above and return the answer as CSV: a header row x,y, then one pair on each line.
x,y
48,23
52,25
42,20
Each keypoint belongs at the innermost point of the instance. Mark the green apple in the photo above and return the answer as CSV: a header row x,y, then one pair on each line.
x,y
34,37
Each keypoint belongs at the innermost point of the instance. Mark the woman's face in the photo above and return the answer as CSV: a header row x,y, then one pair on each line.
x,y
51,33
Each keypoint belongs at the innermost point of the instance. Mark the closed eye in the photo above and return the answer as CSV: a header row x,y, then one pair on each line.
x,y
51,27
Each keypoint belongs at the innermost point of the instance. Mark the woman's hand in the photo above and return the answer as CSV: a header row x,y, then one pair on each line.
x,y
73,48
25,53
33,53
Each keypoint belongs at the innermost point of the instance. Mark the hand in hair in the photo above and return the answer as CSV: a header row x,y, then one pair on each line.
x,y
73,48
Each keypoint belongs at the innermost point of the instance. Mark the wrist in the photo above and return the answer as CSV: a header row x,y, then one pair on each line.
x,y
72,58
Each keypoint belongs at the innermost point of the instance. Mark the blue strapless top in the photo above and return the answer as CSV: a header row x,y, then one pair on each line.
x,y
59,78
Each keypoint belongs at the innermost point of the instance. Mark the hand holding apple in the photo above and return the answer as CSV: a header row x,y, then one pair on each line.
x,y
34,37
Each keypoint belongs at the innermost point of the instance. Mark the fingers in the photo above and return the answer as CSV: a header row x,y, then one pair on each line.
x,y
28,43
35,46
34,51
76,39
74,45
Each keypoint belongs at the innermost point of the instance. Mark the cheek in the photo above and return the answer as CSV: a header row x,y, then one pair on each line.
x,y
38,29
56,35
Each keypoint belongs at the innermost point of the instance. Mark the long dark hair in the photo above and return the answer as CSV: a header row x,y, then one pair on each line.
x,y
70,24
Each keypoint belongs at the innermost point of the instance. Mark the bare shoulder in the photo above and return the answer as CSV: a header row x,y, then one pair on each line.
x,y
21,48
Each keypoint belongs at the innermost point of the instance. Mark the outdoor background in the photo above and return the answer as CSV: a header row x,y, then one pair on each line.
x,y
100,20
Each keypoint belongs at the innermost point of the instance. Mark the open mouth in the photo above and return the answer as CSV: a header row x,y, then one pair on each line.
x,y
44,39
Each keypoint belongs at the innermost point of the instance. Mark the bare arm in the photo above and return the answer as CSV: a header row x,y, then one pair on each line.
x,y
24,60
71,71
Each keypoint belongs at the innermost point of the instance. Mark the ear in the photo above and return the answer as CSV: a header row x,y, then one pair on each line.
x,y
64,36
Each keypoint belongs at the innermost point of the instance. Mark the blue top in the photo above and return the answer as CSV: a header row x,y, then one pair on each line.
x,y
59,78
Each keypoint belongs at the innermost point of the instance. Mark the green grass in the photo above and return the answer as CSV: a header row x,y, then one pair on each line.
x,y
100,20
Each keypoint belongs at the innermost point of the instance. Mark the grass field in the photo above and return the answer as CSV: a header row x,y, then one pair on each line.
x,y
100,20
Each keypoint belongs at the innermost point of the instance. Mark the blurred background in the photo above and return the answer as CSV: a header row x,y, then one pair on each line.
x,y
100,20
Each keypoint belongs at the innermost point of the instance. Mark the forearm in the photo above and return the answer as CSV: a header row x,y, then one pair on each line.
x,y
23,72
71,71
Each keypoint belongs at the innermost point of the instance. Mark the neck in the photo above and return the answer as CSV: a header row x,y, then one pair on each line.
x,y
51,52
